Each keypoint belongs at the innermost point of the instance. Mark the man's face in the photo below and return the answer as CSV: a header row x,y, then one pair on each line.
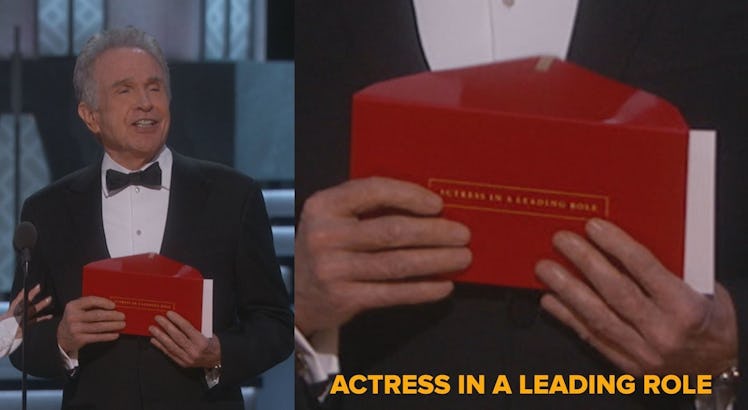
x,y
132,116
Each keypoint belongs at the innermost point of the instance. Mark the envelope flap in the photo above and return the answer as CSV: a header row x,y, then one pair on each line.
x,y
532,87
145,264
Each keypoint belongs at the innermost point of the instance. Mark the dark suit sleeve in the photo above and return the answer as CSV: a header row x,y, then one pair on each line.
x,y
738,288
42,353
264,333
306,400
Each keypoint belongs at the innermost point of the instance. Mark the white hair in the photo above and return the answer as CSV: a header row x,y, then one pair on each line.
x,y
85,88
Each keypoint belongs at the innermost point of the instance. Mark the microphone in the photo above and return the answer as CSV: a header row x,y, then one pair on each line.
x,y
24,241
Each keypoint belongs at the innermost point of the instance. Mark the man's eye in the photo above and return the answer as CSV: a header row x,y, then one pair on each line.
x,y
123,91
155,89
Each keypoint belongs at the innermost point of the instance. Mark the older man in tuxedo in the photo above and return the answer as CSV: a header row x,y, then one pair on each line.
x,y
350,269
143,197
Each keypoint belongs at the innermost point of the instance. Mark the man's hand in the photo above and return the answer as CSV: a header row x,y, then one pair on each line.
x,y
89,319
636,313
16,308
372,243
184,344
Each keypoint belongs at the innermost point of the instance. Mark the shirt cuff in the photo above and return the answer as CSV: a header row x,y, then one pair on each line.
x,y
8,340
212,377
70,363
316,365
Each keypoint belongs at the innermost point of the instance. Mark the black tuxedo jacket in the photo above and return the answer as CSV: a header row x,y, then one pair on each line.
x,y
693,53
217,223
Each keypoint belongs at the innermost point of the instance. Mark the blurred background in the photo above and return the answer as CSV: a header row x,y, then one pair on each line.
x,y
232,71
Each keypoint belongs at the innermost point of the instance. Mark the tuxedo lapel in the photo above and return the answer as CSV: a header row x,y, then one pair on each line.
x,y
84,207
187,196
606,34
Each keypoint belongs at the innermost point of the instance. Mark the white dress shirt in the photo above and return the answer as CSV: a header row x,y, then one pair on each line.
x,y
135,217
459,33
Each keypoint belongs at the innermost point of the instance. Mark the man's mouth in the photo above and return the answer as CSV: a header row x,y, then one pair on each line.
x,y
145,123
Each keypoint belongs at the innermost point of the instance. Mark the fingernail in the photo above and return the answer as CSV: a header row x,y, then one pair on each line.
x,y
462,233
566,240
541,267
468,258
462,259
434,201
594,226
548,272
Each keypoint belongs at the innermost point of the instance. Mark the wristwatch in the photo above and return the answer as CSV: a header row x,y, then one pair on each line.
x,y
723,391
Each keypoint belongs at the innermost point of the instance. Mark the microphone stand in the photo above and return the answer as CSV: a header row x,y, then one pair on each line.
x,y
26,255
16,101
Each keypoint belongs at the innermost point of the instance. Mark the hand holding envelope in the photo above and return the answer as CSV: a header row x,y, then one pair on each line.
x,y
183,343
639,315
88,319
148,288
348,261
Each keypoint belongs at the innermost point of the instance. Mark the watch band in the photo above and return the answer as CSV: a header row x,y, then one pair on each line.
x,y
723,391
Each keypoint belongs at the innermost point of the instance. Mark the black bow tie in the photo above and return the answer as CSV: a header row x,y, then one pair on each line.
x,y
149,178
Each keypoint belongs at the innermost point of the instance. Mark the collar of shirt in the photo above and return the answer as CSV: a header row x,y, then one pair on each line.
x,y
164,159
469,32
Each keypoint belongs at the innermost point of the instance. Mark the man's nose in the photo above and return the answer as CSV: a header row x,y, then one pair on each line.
x,y
144,101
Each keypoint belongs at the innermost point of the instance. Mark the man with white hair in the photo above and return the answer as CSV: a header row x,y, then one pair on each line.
x,y
143,197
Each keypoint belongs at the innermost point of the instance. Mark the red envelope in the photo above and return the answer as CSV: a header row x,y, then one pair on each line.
x,y
146,285
522,149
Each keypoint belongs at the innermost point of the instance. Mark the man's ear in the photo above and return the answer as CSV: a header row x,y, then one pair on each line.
x,y
89,117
